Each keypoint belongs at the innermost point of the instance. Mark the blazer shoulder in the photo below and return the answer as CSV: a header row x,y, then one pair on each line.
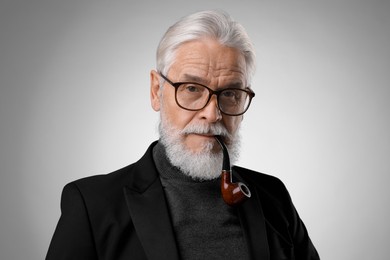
x,y
138,174
101,180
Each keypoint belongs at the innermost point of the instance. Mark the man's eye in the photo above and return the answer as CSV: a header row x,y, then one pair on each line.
x,y
193,88
229,93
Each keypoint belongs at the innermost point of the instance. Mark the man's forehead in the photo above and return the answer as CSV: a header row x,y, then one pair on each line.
x,y
203,61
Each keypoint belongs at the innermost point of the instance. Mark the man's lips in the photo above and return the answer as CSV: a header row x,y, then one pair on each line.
x,y
204,135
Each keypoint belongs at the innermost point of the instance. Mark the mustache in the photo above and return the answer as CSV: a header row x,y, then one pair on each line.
x,y
206,129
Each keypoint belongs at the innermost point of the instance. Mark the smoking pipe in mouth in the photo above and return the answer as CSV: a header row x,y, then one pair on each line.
x,y
233,193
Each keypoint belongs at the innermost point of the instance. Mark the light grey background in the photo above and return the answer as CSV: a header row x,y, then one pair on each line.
x,y
74,102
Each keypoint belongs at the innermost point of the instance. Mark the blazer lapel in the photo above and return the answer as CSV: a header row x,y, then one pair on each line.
x,y
253,222
148,210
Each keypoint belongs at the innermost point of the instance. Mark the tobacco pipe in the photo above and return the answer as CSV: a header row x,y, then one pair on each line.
x,y
232,193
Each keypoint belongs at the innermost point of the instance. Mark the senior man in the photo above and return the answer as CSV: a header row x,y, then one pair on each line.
x,y
168,205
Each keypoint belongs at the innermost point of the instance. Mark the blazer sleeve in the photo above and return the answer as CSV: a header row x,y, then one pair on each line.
x,y
73,237
303,246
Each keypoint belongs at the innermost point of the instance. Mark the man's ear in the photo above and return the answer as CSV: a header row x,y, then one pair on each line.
x,y
155,91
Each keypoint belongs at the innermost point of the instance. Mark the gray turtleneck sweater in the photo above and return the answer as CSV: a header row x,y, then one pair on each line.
x,y
205,227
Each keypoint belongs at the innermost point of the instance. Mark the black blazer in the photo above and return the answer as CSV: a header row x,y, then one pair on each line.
x,y
124,215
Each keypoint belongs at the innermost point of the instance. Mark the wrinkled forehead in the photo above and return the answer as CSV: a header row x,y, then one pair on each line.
x,y
206,61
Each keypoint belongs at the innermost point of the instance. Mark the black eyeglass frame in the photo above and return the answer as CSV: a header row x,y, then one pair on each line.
x,y
176,85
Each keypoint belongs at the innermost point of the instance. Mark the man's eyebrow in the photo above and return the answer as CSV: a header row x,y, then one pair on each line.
x,y
235,85
196,79
193,78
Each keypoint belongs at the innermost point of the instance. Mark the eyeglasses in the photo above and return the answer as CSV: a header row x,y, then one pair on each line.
x,y
194,97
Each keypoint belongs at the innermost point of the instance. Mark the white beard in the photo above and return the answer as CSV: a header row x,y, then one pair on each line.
x,y
205,164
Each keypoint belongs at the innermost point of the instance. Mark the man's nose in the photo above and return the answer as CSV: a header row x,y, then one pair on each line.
x,y
211,111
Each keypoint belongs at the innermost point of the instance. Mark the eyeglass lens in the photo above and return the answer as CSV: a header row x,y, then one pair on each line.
x,y
194,97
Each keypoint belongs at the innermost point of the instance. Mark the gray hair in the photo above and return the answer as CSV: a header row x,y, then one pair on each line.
x,y
214,24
